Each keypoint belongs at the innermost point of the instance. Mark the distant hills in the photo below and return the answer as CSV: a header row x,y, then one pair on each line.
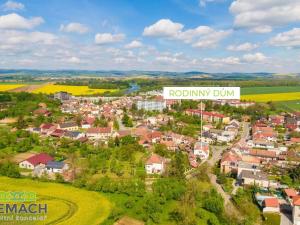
x,y
6,73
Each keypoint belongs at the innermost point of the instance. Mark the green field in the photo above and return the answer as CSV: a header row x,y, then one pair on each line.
x,y
66,205
289,105
269,90
271,219
285,97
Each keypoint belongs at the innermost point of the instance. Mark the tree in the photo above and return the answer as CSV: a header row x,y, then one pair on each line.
x,y
116,125
214,202
127,121
9,169
161,150
169,188
21,123
177,165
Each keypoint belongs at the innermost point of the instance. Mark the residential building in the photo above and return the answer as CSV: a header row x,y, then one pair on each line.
x,y
99,133
36,160
254,178
56,167
201,150
296,210
155,164
151,105
69,126
62,96
211,117
271,205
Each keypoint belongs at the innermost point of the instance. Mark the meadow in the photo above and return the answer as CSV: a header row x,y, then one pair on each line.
x,y
8,87
269,90
66,204
74,90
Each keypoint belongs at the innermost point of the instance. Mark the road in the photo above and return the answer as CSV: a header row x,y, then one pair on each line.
x,y
216,156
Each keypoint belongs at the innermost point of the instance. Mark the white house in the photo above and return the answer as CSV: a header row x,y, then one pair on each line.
x,y
34,161
201,150
98,133
69,126
296,210
155,164
56,167
271,205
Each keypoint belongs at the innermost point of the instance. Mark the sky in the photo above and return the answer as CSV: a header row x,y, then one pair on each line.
x,y
157,35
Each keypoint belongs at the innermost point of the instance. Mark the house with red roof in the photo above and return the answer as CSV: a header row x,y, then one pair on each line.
x,y
271,205
229,162
99,133
88,122
295,140
296,210
42,112
290,193
36,160
47,128
212,117
155,164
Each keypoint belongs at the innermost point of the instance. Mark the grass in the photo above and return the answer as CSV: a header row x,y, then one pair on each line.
x,y
8,87
66,204
271,219
275,97
269,90
74,90
291,105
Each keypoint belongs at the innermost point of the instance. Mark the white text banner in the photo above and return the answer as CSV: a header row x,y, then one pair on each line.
x,y
209,93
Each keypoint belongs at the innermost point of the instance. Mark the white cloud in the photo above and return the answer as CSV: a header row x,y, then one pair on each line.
x,y
289,38
134,44
200,37
222,61
107,38
20,38
261,29
163,28
255,58
247,46
74,60
203,3
212,39
13,6
74,28
261,16
15,21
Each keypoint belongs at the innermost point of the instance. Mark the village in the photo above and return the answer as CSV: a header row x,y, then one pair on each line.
x,y
249,152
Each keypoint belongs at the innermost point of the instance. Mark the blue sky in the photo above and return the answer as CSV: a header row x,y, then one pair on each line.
x,y
168,35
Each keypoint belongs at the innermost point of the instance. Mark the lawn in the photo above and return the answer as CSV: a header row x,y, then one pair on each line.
x,y
8,87
271,219
74,90
291,105
269,90
66,204
275,97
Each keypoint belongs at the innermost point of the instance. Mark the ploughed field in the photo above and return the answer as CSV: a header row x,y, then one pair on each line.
x,y
66,204
52,88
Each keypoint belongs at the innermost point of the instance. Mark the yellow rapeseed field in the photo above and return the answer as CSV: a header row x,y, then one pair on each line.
x,y
66,205
8,87
276,97
74,90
